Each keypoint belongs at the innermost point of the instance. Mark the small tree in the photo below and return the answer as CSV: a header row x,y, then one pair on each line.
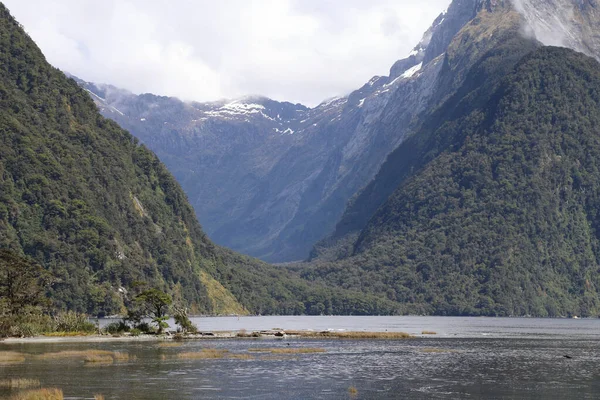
x,y
181,318
155,303
23,283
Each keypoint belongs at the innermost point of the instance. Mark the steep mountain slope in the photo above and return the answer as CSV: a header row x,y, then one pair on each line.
x,y
283,173
571,23
102,214
504,218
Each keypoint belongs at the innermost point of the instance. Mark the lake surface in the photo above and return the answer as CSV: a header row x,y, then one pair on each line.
x,y
491,358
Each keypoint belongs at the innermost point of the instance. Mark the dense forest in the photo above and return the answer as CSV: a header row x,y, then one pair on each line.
x,y
503,220
102,215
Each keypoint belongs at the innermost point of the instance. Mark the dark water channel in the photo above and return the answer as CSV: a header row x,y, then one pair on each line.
x,y
526,366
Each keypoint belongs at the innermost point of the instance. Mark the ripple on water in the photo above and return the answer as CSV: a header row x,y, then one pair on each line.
x,y
435,367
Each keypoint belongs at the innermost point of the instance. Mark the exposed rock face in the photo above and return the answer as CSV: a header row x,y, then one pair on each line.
x,y
567,23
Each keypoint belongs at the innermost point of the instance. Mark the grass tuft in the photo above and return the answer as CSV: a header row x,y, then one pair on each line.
x,y
98,397
92,359
19,383
89,356
122,357
428,333
10,357
170,344
73,354
352,391
40,394
204,354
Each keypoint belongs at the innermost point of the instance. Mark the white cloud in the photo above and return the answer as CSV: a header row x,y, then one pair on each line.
x,y
294,50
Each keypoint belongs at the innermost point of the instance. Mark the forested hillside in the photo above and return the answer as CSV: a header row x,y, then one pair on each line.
x,y
503,219
102,214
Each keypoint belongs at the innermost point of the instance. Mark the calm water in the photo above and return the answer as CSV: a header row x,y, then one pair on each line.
x,y
469,358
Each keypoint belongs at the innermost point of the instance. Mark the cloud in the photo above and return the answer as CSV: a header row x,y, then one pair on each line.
x,y
294,50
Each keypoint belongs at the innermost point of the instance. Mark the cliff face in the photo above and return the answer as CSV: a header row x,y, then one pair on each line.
x,y
566,23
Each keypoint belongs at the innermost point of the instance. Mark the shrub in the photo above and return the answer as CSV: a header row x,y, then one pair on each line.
x,y
117,327
27,324
181,318
145,327
71,321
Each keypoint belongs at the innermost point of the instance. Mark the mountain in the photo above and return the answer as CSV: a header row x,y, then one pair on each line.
x,y
270,179
536,20
490,207
102,214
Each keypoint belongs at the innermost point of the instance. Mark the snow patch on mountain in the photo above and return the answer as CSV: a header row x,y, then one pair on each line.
x,y
412,71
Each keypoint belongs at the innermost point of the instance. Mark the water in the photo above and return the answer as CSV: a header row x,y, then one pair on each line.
x,y
469,358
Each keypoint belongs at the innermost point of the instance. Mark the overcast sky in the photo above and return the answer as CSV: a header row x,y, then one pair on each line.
x,y
294,50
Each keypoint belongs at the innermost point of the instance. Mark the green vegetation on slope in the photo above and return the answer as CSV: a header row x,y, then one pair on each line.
x,y
80,195
504,219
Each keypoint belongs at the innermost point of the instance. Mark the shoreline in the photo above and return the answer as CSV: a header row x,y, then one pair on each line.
x,y
233,335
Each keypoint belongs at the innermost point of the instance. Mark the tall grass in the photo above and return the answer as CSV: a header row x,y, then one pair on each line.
x,y
34,323
40,394
28,324
71,321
